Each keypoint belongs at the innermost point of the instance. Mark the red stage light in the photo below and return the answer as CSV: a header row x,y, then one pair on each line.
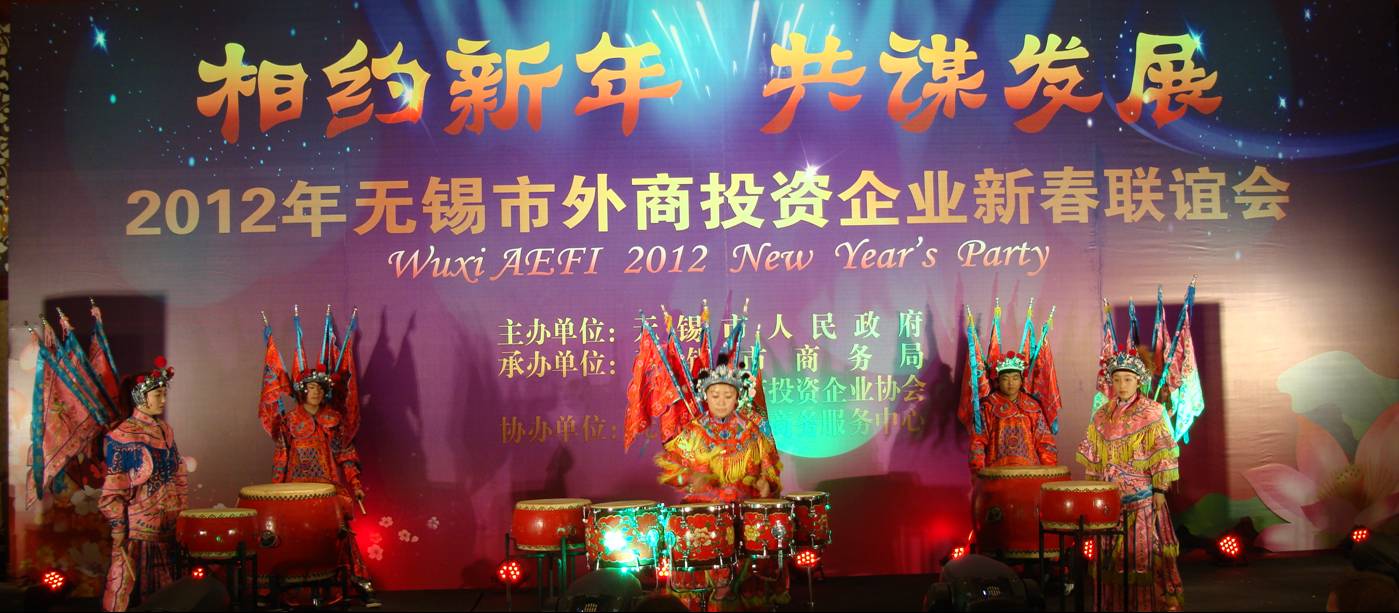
x,y
53,580
1089,550
958,552
197,572
510,572
807,558
1359,535
1230,546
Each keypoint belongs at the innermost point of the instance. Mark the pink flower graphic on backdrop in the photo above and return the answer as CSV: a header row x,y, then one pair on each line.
x,y
375,552
1328,494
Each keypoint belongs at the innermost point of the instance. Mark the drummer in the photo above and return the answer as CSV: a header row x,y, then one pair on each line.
x,y
1015,432
725,456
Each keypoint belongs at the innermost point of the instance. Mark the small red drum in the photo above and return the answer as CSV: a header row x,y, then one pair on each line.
x,y
1062,503
767,526
625,533
213,534
539,525
298,530
1004,515
811,510
701,535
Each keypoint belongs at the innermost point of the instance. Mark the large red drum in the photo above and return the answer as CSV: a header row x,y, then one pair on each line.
x,y
700,535
812,510
625,533
767,526
539,525
1004,515
299,530
213,534
1062,503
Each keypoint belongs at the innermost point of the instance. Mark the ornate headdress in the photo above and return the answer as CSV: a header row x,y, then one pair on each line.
x,y
157,378
1128,361
1009,362
738,377
316,375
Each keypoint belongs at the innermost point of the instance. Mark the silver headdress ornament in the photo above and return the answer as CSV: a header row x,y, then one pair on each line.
x,y
727,374
157,378
1128,361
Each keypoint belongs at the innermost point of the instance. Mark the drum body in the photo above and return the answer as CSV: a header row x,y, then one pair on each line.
x,y
1062,503
625,533
811,511
767,526
539,525
213,534
298,530
1004,512
701,535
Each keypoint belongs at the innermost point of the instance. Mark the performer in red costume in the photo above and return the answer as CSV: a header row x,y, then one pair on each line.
x,y
1015,431
314,440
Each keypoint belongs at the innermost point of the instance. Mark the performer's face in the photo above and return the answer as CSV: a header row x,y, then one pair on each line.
x,y
314,394
721,400
155,402
1009,383
1125,384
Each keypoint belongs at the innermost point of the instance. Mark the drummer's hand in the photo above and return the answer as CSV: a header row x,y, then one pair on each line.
x,y
359,494
763,488
118,540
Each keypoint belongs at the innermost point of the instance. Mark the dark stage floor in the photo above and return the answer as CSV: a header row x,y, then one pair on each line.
x,y
1273,583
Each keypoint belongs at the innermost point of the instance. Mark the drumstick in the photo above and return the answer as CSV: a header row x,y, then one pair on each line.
x,y
361,507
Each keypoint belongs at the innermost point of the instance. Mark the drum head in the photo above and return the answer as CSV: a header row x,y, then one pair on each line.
x,y
552,504
218,513
1023,472
287,491
805,497
695,508
1080,486
767,504
624,505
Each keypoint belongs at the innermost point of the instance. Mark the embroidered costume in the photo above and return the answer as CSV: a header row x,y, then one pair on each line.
x,y
1015,434
142,495
1006,432
1130,443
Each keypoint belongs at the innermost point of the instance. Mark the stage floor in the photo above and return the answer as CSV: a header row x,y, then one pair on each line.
x,y
1271,583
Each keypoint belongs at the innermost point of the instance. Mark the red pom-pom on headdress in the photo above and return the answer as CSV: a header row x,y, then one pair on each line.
x,y
160,362
140,379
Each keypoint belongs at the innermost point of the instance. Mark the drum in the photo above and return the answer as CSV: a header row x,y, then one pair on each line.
x,y
213,534
1062,503
299,528
1004,511
700,535
625,533
767,526
811,510
539,525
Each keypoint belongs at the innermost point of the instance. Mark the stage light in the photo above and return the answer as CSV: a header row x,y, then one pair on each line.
x,y
197,572
1359,535
510,572
807,559
1089,550
53,580
1230,546
614,540
1229,551
958,552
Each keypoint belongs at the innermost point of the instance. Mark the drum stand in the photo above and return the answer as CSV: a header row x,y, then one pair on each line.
x,y
1079,535
238,570
561,572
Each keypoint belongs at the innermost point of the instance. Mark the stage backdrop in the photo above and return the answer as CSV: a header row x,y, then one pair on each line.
x,y
500,187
